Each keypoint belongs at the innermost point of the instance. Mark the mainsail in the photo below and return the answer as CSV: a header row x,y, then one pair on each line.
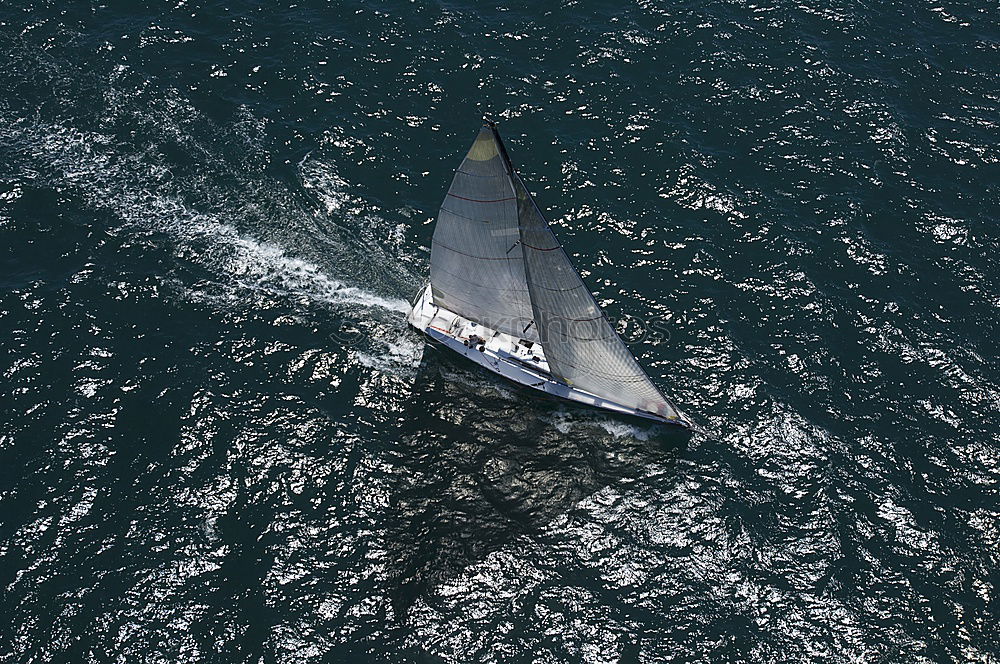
x,y
494,260
477,268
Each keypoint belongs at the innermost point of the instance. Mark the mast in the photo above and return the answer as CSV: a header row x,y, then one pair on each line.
x,y
500,145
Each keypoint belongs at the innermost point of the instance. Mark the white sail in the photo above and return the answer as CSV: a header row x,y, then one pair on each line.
x,y
495,261
582,348
477,267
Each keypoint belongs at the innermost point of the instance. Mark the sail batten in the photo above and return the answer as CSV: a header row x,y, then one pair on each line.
x,y
496,261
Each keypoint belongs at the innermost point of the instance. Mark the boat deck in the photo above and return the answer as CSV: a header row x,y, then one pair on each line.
x,y
516,359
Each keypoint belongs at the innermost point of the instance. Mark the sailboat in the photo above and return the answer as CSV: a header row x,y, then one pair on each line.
x,y
504,294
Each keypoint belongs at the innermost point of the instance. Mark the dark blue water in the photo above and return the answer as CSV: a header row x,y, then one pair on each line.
x,y
221,443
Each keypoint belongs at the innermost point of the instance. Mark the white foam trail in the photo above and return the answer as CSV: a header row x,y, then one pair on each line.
x,y
132,188
623,430
358,296
324,182
564,421
262,264
403,353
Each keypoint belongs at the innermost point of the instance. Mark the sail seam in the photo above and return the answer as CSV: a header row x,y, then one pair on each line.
x,y
561,290
474,175
570,336
554,314
577,320
476,200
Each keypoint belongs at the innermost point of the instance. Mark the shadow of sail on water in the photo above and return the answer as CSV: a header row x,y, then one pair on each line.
x,y
480,469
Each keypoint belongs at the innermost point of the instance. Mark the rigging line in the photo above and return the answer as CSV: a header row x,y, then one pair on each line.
x,y
482,258
501,148
480,221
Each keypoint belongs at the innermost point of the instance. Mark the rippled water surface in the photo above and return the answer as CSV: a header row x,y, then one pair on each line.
x,y
221,443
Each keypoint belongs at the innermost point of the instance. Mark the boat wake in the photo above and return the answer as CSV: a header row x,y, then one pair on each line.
x,y
86,165
227,253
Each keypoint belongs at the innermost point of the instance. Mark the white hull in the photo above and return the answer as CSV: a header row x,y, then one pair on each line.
x,y
504,355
